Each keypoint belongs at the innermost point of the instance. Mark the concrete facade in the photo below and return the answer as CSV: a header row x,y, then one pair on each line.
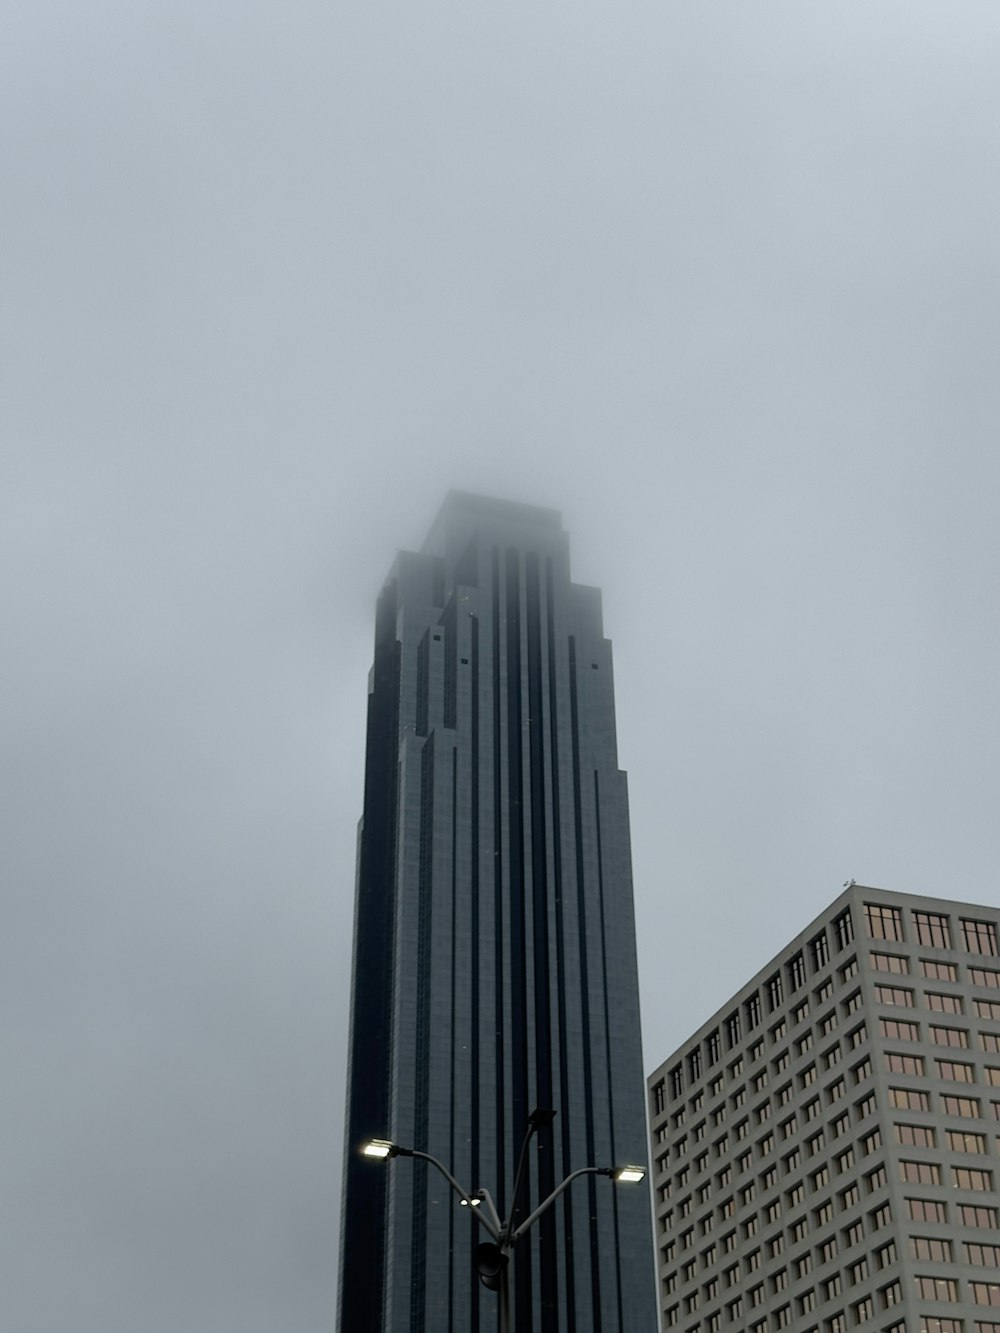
x,y
825,1147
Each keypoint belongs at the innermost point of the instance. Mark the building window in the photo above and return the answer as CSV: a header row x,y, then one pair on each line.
x,y
885,1256
791,1162
733,1029
694,1065
836,1090
831,1287
865,1106
890,1295
899,1029
861,1070
904,1064
849,1197
844,1161
780,1064
942,1036
932,930
966,1178
819,950
937,971
752,1010
920,1173
864,1309
931,1247
659,1097
927,1210
986,1293
850,969
909,1099
800,1012
888,962
822,1215
676,1079
984,976
775,991
978,1215
980,937
884,923
841,1125
983,1256
943,1004
856,1036
955,1072
936,1288
843,929
967,1107
959,1141
796,969
854,1234
898,995
916,1136
876,1180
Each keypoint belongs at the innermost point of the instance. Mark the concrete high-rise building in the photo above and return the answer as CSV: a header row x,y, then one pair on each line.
x,y
826,1146
494,952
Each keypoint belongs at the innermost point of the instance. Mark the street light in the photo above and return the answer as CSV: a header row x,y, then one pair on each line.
x,y
492,1257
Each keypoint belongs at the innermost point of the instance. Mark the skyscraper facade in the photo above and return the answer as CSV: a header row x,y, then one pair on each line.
x,y
826,1146
494,951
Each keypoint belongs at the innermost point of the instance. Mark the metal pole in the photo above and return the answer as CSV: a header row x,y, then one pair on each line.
x,y
504,1302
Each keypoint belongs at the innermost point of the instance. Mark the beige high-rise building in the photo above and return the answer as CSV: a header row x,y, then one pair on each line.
x,y
826,1148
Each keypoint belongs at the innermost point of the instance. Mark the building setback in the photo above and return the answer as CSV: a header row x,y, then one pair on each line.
x,y
826,1146
494,953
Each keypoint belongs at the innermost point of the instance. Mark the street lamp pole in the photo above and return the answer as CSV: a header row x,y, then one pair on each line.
x,y
492,1258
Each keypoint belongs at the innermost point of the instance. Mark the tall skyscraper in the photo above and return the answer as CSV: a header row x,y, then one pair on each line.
x,y
826,1145
494,952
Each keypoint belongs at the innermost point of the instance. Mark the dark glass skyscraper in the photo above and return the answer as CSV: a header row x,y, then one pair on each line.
x,y
494,951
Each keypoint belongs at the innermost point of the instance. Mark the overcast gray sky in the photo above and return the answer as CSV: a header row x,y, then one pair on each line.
x,y
718,281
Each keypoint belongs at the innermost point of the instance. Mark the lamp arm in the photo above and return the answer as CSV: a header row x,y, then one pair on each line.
x,y
487,1199
529,1221
508,1234
476,1211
